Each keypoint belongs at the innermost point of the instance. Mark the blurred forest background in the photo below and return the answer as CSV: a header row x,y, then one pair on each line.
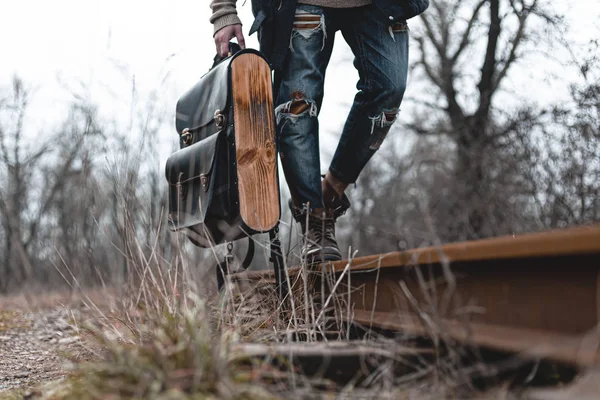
x,y
83,199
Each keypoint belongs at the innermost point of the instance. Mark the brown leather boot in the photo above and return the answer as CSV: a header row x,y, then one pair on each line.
x,y
318,231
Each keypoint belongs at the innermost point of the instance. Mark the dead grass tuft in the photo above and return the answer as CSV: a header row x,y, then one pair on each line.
x,y
167,355
10,320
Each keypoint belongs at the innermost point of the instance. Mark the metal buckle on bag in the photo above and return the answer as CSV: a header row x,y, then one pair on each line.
x,y
186,136
204,182
219,119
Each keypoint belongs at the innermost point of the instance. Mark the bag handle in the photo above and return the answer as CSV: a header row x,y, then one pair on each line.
x,y
233,48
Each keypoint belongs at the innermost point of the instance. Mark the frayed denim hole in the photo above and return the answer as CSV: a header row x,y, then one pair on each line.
x,y
380,126
307,33
283,113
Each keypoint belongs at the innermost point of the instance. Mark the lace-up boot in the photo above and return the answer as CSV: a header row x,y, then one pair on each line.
x,y
318,231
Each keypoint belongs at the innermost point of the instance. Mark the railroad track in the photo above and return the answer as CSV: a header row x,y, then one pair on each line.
x,y
534,294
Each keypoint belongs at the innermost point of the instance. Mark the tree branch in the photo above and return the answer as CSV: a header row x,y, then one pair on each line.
x,y
516,42
445,79
419,130
431,35
489,66
428,69
466,38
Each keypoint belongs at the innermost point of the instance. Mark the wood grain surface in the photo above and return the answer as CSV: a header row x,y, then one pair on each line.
x,y
562,242
255,142
536,344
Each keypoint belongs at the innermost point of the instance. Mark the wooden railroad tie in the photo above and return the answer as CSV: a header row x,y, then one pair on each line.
x,y
537,294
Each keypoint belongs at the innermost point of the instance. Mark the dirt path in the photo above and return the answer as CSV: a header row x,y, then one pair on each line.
x,y
33,345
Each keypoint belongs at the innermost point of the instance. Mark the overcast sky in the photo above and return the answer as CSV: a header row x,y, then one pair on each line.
x,y
95,48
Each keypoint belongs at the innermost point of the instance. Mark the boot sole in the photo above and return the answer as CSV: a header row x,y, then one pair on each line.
x,y
323,255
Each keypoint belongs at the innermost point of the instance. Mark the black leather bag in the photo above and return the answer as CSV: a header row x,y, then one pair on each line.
x,y
202,176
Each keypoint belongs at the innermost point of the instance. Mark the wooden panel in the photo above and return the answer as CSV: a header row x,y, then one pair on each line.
x,y
574,349
584,240
550,294
255,142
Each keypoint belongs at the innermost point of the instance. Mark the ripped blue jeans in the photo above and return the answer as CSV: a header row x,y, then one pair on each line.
x,y
380,49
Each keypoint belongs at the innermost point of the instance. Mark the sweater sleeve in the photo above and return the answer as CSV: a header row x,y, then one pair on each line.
x,y
224,13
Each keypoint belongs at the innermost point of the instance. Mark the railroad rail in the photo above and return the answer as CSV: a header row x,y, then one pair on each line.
x,y
535,294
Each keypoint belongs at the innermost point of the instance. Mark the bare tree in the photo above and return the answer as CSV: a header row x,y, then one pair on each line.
x,y
568,174
19,162
467,50
44,188
73,193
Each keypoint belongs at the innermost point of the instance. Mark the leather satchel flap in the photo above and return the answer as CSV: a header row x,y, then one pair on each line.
x,y
196,108
191,176
192,162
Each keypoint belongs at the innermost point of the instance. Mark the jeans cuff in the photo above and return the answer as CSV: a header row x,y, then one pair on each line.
x,y
340,176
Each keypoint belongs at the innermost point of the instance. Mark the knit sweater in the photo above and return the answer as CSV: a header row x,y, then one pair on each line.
x,y
225,13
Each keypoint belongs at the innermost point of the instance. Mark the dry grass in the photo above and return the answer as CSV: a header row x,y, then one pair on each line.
x,y
172,355
10,319
163,338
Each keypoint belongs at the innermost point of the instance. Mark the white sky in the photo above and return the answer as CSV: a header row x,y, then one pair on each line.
x,y
95,47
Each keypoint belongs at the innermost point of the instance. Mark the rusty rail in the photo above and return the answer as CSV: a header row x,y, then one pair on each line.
x,y
536,294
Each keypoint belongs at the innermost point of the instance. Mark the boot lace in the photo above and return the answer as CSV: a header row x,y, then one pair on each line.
x,y
321,228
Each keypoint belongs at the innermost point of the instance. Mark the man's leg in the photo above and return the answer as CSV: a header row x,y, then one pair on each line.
x,y
298,104
299,99
380,48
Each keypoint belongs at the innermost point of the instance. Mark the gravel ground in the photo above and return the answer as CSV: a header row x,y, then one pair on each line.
x,y
34,346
